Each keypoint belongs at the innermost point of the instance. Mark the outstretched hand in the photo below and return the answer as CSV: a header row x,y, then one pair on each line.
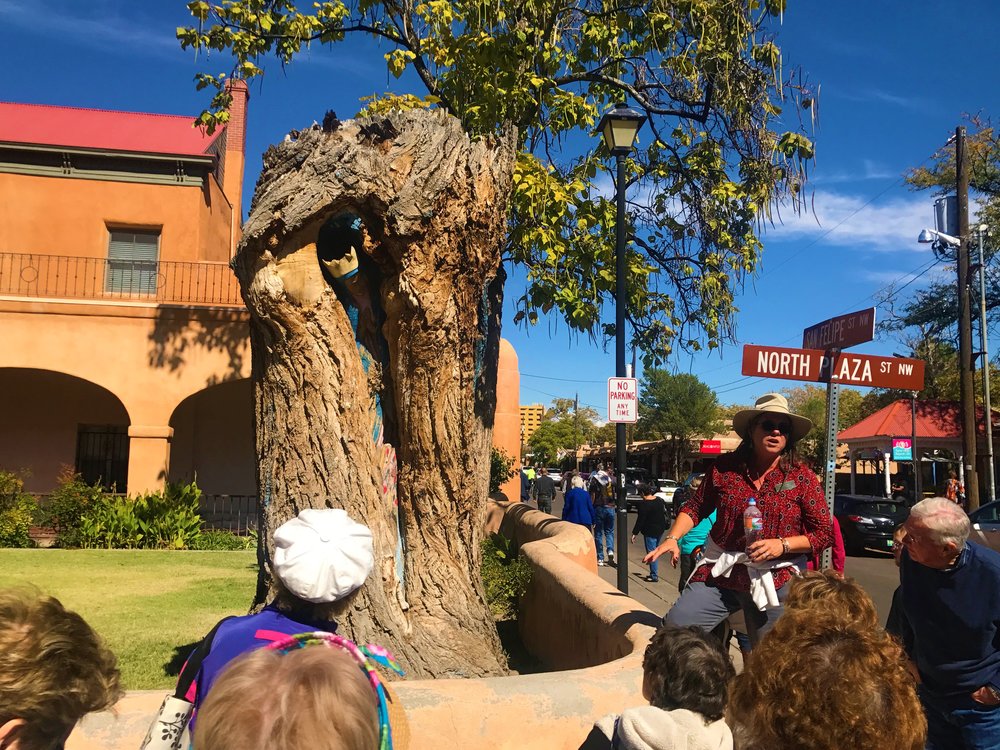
x,y
670,547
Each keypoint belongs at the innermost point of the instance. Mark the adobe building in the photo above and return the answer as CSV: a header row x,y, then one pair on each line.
x,y
125,341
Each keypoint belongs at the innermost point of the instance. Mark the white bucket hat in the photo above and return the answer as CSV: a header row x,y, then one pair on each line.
x,y
771,403
323,555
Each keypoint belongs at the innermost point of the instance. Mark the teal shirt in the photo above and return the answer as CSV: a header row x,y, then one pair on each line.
x,y
697,535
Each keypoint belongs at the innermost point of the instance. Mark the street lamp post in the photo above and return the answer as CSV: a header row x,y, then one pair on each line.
x,y
619,128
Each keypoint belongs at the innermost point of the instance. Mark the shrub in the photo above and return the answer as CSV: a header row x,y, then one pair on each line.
x,y
167,520
17,511
501,468
505,576
67,505
223,540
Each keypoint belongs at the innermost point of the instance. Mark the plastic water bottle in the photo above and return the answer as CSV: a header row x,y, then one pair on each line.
x,y
753,523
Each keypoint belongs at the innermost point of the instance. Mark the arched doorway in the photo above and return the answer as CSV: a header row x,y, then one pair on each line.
x,y
213,440
51,421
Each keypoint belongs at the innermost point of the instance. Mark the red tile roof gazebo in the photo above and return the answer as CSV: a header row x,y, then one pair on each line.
x,y
938,430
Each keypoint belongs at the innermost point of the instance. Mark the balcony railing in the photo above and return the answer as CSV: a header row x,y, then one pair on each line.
x,y
72,277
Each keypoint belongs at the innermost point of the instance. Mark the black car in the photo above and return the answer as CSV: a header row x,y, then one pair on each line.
x,y
868,521
634,479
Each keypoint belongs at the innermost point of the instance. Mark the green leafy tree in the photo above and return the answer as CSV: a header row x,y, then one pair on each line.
x,y
676,408
562,429
714,158
519,86
810,401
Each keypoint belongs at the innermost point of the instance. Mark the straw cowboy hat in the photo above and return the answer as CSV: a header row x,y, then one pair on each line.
x,y
771,403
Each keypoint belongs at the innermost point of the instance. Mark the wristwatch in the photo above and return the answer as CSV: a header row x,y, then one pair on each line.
x,y
993,691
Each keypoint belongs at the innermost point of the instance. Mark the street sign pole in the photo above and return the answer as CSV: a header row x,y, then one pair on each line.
x,y
829,483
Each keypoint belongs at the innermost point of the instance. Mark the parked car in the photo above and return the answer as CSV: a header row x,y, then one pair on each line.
x,y
986,525
868,521
556,475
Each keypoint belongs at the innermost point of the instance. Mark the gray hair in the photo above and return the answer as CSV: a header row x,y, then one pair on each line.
x,y
945,521
577,482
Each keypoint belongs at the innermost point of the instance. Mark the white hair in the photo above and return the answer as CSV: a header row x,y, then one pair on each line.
x,y
945,521
577,482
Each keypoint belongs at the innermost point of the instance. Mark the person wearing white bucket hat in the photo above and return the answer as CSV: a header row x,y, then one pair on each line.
x,y
321,559
734,575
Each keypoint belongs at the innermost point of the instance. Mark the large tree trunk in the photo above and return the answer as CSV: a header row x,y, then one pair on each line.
x,y
433,204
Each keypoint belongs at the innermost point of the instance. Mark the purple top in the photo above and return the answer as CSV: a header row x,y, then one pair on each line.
x,y
241,634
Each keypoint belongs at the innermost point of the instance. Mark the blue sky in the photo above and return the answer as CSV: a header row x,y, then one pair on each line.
x,y
895,78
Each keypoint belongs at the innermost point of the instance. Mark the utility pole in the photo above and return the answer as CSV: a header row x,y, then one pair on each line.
x,y
991,487
966,365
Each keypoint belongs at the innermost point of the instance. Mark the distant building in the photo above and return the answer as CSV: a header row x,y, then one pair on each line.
x,y
531,417
125,350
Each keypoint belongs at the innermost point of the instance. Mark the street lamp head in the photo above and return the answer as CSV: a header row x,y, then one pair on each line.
x,y
619,127
932,235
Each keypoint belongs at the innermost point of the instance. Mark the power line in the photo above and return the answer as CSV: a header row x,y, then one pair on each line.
x,y
564,380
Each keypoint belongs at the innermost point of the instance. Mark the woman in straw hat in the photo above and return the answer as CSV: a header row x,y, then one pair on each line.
x,y
753,578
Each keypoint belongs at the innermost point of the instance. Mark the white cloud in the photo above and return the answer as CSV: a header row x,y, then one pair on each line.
x,y
96,24
847,220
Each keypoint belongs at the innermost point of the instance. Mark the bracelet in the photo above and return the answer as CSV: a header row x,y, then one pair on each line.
x,y
993,691
670,536
784,545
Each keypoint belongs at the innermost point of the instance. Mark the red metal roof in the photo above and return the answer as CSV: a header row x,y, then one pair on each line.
x,y
74,127
935,419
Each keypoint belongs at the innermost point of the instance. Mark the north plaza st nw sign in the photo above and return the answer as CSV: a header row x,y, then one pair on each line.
x,y
844,368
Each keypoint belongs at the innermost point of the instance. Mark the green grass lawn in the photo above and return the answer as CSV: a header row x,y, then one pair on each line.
x,y
150,606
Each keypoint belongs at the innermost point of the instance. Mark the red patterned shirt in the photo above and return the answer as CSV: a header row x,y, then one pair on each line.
x,y
791,503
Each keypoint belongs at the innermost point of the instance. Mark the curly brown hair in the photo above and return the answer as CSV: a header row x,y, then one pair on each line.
x,y
54,668
819,684
835,596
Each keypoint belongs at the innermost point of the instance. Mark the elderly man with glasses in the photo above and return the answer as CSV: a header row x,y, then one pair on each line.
x,y
951,603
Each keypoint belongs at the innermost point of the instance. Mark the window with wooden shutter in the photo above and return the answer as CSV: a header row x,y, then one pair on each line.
x,y
132,262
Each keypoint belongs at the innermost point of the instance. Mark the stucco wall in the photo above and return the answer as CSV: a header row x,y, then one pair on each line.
x,y
507,421
150,358
62,216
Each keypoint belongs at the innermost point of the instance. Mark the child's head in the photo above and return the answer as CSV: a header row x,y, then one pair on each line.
x,y
828,592
686,668
313,698
898,534
54,669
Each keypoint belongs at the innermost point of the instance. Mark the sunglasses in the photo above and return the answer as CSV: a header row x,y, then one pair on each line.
x,y
768,426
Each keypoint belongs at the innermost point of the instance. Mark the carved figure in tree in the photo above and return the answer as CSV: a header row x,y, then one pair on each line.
x,y
433,204
338,248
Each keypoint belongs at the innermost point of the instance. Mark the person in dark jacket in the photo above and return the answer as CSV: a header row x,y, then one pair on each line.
x,y
544,490
577,507
651,522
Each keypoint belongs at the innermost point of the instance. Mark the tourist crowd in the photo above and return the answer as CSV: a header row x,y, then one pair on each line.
x,y
820,671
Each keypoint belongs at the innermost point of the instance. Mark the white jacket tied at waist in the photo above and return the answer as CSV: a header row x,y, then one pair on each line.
x,y
762,589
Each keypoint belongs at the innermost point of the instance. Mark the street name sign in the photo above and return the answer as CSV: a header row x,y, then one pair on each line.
x,y
844,368
841,332
623,400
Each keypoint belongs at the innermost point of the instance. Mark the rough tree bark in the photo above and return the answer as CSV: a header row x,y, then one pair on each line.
x,y
433,203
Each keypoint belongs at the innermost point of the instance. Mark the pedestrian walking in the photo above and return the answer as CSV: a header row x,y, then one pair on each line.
x,y
651,522
577,506
604,527
544,490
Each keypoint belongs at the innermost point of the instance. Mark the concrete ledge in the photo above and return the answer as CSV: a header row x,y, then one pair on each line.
x,y
570,617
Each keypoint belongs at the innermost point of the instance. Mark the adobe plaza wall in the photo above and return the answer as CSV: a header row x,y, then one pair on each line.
x,y
570,619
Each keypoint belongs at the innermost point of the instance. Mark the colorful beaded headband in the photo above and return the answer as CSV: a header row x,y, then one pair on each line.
x,y
365,656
